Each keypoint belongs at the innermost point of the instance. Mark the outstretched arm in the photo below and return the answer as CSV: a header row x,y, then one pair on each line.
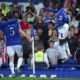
x,y
24,35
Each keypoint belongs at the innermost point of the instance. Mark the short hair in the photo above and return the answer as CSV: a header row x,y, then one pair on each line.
x,y
51,23
50,41
40,46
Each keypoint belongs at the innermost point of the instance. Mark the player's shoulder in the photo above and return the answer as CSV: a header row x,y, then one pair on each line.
x,y
7,22
60,12
12,21
1,23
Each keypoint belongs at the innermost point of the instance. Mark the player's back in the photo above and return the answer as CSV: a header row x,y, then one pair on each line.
x,y
11,29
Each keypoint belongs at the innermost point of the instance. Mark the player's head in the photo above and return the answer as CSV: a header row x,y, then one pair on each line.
x,y
66,5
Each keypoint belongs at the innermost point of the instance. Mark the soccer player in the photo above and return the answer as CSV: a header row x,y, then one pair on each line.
x,y
62,24
13,31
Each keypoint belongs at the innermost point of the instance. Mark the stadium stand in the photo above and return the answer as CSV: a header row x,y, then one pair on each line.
x,y
69,69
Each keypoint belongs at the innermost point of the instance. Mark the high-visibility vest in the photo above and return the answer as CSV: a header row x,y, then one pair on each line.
x,y
39,56
5,11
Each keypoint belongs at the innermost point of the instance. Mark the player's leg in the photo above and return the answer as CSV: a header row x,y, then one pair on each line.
x,y
62,36
11,53
19,51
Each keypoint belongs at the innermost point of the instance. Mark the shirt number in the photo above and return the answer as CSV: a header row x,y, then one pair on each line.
x,y
12,32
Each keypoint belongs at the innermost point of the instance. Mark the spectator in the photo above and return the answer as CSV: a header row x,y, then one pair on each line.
x,y
50,27
73,31
12,10
52,53
37,41
77,53
5,9
42,11
43,24
70,14
28,31
40,22
74,22
49,17
72,40
17,16
30,17
31,9
51,7
62,57
24,24
2,17
19,10
54,36
40,56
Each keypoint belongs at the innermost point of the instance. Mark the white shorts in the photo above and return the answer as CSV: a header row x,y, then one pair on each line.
x,y
11,50
63,31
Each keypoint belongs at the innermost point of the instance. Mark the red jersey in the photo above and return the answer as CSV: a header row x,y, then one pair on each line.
x,y
24,26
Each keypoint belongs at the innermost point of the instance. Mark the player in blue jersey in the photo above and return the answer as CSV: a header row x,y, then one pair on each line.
x,y
62,24
13,31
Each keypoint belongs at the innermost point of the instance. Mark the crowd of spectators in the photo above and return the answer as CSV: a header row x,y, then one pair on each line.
x,y
43,23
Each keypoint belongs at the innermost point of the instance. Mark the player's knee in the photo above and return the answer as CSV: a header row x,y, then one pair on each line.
x,y
11,58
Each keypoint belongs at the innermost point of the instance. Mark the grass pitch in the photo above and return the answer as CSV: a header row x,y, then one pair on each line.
x,y
39,78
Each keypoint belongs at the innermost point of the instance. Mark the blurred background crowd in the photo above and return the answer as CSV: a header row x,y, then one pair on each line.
x,y
43,23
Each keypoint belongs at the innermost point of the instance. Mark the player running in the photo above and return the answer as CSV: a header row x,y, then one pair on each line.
x,y
62,24
13,31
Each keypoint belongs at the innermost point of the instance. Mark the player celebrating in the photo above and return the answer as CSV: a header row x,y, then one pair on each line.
x,y
62,24
14,43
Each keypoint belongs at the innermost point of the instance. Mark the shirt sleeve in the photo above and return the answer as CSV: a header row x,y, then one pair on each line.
x,y
18,24
59,19
14,22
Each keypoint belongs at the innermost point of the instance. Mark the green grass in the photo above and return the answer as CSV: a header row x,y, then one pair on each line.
x,y
38,79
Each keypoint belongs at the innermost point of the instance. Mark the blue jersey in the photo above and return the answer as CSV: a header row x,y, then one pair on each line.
x,y
11,30
62,18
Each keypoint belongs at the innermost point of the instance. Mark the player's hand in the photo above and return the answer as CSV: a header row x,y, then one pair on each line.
x,y
30,40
